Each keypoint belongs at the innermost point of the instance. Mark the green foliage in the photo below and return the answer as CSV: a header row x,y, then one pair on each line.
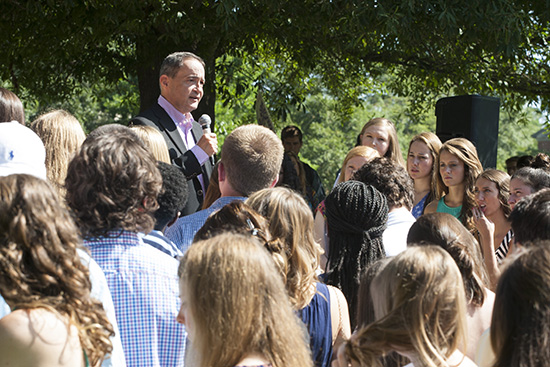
x,y
515,135
326,65
432,48
93,106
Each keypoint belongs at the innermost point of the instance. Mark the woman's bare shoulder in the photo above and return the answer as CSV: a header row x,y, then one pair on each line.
x,y
16,337
431,207
37,337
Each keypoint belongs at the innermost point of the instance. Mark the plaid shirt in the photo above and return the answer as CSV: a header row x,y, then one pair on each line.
x,y
185,228
158,240
144,285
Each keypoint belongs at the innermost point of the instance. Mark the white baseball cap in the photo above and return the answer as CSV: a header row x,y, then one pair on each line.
x,y
21,151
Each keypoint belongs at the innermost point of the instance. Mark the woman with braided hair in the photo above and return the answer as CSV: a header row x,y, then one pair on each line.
x,y
355,159
356,218
54,321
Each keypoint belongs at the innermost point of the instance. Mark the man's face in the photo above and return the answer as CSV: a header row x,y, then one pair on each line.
x,y
185,90
292,144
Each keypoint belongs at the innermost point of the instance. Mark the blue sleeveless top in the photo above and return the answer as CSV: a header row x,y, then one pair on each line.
x,y
418,209
317,318
443,208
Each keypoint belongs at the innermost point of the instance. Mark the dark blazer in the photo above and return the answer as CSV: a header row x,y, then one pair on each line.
x,y
157,117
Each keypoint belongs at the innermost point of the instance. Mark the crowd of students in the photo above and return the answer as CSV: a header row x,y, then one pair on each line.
x,y
425,261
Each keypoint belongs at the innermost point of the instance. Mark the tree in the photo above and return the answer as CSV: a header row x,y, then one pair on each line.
x,y
432,47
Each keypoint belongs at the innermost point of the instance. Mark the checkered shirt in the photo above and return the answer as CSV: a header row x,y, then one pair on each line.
x,y
158,240
144,284
185,228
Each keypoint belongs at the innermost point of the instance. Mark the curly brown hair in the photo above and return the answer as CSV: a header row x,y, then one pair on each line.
x,y
113,183
390,179
39,263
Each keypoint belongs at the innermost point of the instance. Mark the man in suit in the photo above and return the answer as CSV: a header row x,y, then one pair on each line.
x,y
181,90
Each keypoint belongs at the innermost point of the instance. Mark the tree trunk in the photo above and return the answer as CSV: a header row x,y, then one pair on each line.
x,y
148,66
208,102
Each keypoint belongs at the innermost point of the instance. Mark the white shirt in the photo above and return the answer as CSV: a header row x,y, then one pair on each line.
x,y
395,236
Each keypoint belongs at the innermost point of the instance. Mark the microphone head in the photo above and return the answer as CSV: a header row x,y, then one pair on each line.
x,y
205,121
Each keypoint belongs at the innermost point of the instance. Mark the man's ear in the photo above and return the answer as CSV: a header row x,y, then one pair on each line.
x,y
146,203
274,181
164,80
221,172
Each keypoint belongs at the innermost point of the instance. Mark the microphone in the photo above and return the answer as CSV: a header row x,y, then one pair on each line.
x,y
205,122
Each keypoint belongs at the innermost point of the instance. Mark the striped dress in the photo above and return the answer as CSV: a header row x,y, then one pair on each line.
x,y
502,250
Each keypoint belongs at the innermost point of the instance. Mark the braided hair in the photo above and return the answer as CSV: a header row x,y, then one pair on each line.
x,y
356,216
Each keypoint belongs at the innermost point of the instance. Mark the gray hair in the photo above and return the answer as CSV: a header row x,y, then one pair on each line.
x,y
174,61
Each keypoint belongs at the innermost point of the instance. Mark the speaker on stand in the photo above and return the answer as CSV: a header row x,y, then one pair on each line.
x,y
473,117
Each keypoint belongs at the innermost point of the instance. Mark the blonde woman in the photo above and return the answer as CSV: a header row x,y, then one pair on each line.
x,y
380,134
355,159
62,136
422,167
154,140
420,309
244,318
323,308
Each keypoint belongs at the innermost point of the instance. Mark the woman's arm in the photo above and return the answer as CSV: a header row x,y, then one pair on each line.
x,y
486,231
339,317
319,228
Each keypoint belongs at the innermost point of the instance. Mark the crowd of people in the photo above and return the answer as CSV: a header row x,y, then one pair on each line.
x,y
130,246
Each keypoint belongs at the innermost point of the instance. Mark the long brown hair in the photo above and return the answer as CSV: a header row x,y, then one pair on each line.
x,y
434,145
239,304
521,317
444,230
291,222
464,150
501,180
420,309
39,263
11,108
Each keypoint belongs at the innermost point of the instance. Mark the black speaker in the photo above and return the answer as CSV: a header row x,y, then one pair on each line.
x,y
472,117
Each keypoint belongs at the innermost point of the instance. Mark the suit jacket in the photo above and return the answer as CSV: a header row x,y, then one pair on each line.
x,y
157,117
